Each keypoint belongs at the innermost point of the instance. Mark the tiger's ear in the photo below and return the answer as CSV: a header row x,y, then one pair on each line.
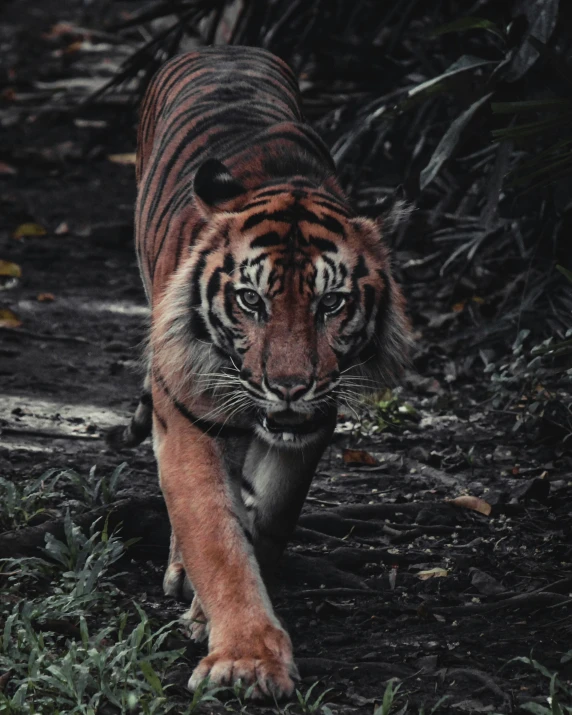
x,y
215,187
391,213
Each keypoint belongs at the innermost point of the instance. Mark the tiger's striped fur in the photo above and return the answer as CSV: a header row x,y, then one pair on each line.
x,y
271,301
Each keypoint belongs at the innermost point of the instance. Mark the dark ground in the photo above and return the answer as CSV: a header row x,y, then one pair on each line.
x,y
349,588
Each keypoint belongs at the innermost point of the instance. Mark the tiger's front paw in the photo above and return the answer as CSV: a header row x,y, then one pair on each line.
x,y
261,658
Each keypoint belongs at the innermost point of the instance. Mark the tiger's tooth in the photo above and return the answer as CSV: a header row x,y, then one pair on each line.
x,y
287,436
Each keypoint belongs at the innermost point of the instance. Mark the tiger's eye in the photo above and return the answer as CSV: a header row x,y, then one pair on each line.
x,y
250,298
332,301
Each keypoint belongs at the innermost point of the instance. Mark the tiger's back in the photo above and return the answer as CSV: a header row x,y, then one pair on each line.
x,y
196,108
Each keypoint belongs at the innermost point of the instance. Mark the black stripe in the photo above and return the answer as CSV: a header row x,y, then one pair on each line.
x,y
159,419
266,240
247,486
198,326
360,271
213,286
229,302
323,244
213,429
369,301
254,220
336,208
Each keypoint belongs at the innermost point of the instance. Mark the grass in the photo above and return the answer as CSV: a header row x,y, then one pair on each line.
x,y
70,642
22,504
69,647
25,504
559,698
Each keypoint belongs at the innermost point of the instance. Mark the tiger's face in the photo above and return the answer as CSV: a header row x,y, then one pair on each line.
x,y
294,306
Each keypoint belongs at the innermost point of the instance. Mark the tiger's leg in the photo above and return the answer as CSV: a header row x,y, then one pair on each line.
x,y
274,486
273,491
246,641
139,428
176,583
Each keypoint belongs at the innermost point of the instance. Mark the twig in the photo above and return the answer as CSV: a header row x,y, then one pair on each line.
x,y
311,536
483,677
380,511
405,536
48,434
41,336
315,500
523,600
337,592
327,666
137,517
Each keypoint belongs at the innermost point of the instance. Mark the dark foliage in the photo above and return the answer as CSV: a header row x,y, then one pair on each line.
x,y
464,106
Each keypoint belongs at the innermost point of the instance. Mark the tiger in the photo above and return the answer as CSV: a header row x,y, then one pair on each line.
x,y
271,302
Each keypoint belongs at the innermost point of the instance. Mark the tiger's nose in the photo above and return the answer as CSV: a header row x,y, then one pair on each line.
x,y
290,389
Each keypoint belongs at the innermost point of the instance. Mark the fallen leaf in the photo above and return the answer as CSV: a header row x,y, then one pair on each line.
x,y
473,503
6,169
126,159
29,229
458,307
10,269
8,319
46,297
432,573
358,456
62,229
73,47
59,29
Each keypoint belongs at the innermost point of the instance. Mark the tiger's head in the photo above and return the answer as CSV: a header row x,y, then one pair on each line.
x,y
285,306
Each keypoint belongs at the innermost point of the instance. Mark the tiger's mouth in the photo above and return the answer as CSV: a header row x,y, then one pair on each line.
x,y
290,426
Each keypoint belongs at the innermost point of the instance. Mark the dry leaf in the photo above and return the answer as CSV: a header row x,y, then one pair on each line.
x,y
6,169
358,456
10,269
126,159
8,319
432,573
59,29
458,307
62,229
73,47
473,503
46,297
29,229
